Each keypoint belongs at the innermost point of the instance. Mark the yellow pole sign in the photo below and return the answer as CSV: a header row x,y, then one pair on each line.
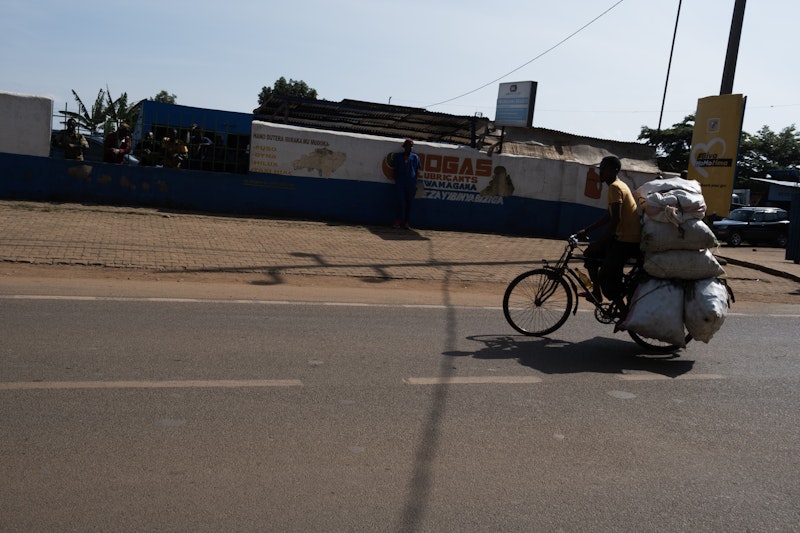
x,y
715,146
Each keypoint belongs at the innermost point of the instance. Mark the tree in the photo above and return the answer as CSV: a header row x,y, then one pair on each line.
x,y
117,111
294,88
673,145
106,112
765,151
768,150
89,119
164,97
758,154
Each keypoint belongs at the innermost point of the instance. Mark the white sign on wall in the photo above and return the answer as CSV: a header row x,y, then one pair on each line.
x,y
449,172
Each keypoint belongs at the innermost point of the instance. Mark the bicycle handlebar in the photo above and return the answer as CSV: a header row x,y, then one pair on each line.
x,y
573,240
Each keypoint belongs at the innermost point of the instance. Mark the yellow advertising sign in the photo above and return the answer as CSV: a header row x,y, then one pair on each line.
x,y
715,146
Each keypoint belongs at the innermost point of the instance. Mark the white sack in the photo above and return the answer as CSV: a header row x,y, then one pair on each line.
x,y
664,185
690,201
656,312
661,200
675,206
706,308
693,234
683,264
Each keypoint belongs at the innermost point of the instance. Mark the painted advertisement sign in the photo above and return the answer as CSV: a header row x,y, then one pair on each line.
x,y
715,146
460,187
451,173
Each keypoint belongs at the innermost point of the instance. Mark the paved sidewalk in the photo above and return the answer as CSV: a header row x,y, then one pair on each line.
x,y
166,241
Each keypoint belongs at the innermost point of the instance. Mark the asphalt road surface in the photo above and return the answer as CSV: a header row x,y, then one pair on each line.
x,y
131,412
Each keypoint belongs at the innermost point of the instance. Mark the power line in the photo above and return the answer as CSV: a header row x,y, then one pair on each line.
x,y
567,38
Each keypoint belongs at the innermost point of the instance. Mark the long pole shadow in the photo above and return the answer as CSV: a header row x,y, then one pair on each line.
x,y
420,486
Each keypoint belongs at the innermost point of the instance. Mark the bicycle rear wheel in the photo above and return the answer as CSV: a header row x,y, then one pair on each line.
x,y
655,345
652,345
537,302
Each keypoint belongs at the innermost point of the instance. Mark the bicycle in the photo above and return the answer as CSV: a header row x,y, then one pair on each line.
x,y
539,301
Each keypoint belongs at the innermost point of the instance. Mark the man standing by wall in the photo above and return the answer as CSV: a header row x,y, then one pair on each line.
x,y
71,141
406,165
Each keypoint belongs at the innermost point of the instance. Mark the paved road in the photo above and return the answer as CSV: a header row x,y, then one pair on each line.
x,y
134,414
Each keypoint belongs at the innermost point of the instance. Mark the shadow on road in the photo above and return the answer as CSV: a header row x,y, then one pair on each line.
x,y
598,355
396,234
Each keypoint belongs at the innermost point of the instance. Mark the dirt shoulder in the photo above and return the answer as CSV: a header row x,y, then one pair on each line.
x,y
100,281
752,289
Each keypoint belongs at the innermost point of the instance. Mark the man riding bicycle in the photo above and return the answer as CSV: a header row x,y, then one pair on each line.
x,y
605,258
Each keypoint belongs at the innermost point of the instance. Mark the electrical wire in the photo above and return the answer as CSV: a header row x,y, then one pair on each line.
x,y
567,38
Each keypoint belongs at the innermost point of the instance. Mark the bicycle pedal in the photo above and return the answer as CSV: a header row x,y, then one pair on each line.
x,y
604,313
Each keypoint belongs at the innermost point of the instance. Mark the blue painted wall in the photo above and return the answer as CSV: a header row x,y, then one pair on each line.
x,y
46,179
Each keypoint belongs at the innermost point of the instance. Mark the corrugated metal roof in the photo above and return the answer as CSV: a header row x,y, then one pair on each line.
x,y
551,144
385,120
789,184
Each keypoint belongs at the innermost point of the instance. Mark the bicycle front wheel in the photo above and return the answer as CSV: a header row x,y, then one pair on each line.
x,y
537,302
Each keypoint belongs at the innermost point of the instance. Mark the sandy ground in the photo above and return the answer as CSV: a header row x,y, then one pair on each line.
x,y
753,290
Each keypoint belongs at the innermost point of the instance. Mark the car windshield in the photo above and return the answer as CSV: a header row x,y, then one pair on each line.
x,y
741,215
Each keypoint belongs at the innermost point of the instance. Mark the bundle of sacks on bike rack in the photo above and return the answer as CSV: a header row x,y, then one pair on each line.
x,y
683,289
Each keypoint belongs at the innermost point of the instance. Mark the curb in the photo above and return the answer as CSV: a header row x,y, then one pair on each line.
x,y
762,268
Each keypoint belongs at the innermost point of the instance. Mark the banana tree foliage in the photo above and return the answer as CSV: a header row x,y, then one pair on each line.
x,y
105,114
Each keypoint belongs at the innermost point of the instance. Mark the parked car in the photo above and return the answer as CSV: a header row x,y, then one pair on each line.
x,y
754,225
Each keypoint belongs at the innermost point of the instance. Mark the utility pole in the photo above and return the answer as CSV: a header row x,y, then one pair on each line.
x,y
669,67
733,48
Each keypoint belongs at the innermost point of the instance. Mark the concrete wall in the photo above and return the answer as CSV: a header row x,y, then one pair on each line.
x,y
319,174
35,178
25,124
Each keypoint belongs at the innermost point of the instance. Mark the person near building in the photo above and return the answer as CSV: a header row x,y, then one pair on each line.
x,y
147,151
117,144
72,141
199,146
175,151
406,166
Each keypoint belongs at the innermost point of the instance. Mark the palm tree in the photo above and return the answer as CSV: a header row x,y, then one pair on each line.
x,y
117,111
89,119
106,113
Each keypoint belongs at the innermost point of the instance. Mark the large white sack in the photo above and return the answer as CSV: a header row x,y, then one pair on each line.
x,y
692,234
675,206
669,184
659,199
683,264
656,311
690,201
672,214
706,308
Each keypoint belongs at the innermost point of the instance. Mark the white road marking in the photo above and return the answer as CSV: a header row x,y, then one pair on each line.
x,y
657,377
288,302
470,380
174,384
232,301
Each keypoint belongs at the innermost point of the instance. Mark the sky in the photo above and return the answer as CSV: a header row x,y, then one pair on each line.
x,y
601,65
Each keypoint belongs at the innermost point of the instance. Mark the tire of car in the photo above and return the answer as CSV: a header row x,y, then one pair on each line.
x,y
735,239
782,241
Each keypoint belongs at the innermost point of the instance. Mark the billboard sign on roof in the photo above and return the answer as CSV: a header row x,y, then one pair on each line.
x,y
515,102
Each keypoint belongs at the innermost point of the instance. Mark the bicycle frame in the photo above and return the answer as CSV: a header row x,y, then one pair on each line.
x,y
605,313
539,301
